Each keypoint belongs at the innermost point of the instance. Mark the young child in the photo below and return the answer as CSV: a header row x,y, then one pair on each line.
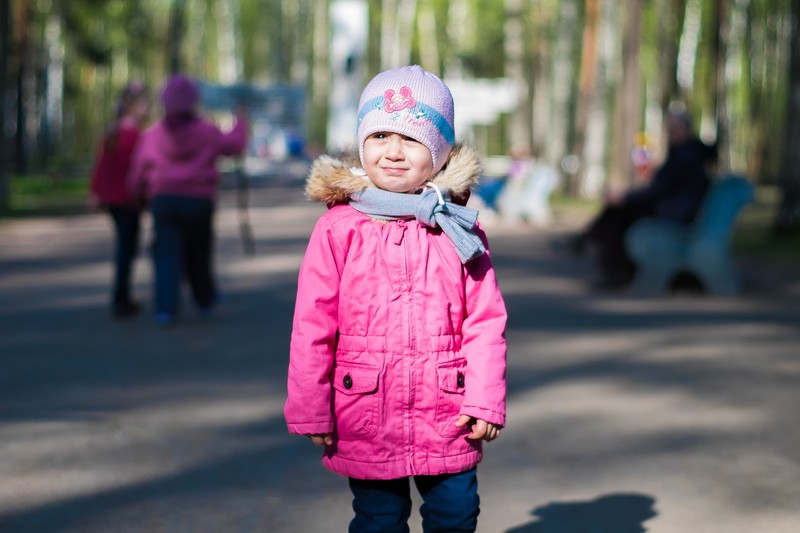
x,y
398,351
175,166
109,189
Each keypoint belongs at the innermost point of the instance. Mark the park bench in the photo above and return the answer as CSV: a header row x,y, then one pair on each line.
x,y
663,249
529,198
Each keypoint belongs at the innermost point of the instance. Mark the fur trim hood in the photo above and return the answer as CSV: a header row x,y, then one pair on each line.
x,y
332,181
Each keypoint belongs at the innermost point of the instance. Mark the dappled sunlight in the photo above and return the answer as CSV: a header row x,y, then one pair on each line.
x,y
657,306
265,265
84,275
577,406
540,285
102,451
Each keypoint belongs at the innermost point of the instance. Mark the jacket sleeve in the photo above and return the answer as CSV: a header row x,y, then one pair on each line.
x,y
314,329
234,141
137,181
484,343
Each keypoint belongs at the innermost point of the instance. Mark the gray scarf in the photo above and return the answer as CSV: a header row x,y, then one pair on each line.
x,y
431,208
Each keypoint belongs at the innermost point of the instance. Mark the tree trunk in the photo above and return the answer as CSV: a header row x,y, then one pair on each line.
x,y
428,39
562,82
22,65
672,14
54,45
175,37
541,81
457,16
229,67
788,219
722,23
5,31
687,47
587,85
397,28
320,83
627,119
520,123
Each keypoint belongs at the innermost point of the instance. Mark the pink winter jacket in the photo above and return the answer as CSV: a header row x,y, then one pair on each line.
x,y
182,162
393,337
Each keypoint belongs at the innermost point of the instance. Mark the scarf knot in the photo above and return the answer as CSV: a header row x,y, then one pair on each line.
x,y
432,208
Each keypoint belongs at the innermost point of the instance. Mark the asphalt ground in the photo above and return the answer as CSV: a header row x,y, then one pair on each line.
x,y
671,414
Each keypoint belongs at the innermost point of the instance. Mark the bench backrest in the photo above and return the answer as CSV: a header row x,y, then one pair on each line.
x,y
726,197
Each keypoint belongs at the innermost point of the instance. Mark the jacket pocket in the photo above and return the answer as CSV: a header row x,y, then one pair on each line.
x,y
356,400
450,395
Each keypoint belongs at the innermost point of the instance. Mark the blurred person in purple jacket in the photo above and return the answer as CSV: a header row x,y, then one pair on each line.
x,y
174,166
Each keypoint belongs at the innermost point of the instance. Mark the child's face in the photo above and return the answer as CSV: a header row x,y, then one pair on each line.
x,y
140,109
396,163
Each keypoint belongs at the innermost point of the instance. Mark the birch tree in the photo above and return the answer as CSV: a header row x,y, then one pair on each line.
x,y
627,117
175,36
520,123
587,83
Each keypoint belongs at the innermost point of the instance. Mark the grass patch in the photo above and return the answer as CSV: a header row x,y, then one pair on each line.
x,y
43,195
753,234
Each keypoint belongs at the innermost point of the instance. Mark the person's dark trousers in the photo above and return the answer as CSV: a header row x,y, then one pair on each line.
x,y
607,232
183,246
451,503
126,233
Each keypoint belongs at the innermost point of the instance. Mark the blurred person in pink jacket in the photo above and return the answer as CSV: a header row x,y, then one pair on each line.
x,y
398,351
109,190
174,167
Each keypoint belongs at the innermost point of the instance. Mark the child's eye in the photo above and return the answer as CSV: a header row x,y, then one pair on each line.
x,y
379,135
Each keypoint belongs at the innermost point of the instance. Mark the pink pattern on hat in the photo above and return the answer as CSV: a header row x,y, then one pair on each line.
x,y
398,101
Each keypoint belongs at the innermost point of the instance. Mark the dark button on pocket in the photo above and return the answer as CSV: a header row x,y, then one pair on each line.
x,y
347,381
460,379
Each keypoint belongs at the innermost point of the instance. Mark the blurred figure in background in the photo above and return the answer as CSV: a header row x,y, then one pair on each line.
x,y
175,167
526,196
109,190
674,192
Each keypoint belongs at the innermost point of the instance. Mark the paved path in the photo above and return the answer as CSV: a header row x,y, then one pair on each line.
x,y
674,415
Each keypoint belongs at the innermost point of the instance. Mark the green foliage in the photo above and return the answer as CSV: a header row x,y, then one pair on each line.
x,y
108,42
38,184
39,194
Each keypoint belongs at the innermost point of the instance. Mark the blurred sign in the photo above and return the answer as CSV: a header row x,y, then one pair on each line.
x,y
277,119
479,102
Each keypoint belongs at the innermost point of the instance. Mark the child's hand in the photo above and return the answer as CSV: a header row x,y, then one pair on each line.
x,y
323,439
481,429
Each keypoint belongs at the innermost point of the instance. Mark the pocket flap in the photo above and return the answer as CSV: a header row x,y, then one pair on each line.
x,y
452,376
356,378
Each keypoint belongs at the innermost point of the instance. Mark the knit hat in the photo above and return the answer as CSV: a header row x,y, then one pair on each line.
x,y
412,102
179,94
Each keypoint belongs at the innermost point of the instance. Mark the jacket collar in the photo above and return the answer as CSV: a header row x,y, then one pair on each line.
x,y
332,181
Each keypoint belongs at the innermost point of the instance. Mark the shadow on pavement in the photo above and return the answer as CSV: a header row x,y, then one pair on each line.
x,y
613,513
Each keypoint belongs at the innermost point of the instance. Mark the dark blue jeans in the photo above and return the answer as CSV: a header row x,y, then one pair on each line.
x,y
451,503
126,244
183,248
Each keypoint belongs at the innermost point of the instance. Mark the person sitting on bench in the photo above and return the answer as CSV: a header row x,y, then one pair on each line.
x,y
675,192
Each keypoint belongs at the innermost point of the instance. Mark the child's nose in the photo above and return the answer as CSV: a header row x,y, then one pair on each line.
x,y
394,148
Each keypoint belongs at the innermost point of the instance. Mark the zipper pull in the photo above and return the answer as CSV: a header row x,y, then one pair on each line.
x,y
398,230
